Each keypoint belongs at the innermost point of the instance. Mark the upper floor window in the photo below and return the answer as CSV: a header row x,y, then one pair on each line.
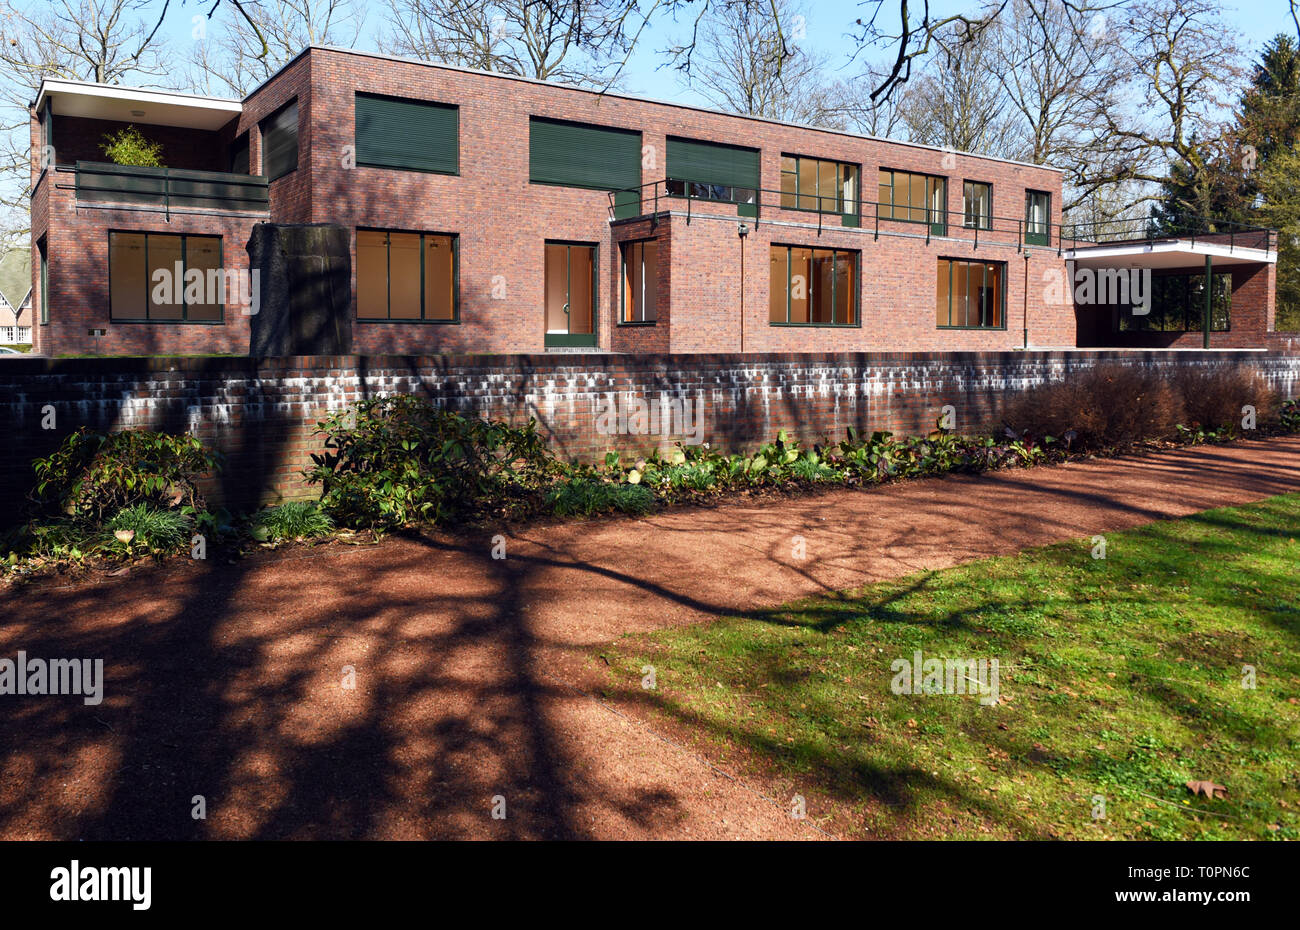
x,y
1038,216
143,282
280,141
414,135
817,184
406,276
640,282
817,287
977,205
713,171
970,295
914,198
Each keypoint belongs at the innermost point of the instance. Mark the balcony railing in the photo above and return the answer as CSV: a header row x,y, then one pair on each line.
x,y
1142,231
171,188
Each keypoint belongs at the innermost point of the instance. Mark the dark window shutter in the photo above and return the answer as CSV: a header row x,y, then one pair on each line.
x,y
578,155
409,134
280,142
712,163
239,155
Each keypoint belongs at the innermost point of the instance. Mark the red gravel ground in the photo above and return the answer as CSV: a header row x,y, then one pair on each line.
x,y
471,673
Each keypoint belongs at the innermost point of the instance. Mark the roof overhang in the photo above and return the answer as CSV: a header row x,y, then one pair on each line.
x,y
136,105
1171,253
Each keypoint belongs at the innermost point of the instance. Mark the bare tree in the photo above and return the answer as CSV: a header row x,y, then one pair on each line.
x,y
248,42
573,41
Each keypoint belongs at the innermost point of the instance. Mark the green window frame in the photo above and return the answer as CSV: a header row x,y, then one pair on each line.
x,y
1038,218
820,185
280,141
977,205
911,197
177,248
1178,306
639,304
785,288
405,134
431,310
971,290
41,249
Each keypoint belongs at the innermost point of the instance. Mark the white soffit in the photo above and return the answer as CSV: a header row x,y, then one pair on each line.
x,y
135,105
1179,253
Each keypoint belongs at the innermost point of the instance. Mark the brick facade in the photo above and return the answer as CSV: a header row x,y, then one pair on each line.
x,y
503,222
262,414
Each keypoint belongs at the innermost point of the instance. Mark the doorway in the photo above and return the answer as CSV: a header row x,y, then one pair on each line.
x,y
570,294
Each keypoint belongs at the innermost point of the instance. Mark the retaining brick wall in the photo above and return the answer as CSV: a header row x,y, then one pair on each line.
x,y
262,413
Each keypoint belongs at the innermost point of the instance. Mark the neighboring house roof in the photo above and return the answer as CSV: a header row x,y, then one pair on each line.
x,y
15,278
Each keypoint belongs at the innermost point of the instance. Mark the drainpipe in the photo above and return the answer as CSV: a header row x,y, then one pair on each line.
x,y
742,230
1209,285
1026,297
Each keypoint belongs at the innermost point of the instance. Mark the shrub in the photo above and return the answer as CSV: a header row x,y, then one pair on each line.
x,y
1290,416
583,496
399,460
155,530
292,520
128,146
94,474
1212,398
1106,407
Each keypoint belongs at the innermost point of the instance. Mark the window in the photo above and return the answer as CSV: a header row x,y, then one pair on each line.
x,y
165,278
411,135
1178,305
970,295
408,277
45,281
813,287
914,198
640,281
814,184
1038,216
713,171
280,141
977,205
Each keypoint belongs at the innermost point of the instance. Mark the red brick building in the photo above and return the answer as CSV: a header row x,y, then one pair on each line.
x,y
504,215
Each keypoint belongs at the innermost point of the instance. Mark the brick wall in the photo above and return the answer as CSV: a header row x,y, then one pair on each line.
x,y
262,414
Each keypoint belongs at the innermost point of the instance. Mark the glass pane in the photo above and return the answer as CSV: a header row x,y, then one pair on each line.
x,y
808,183
404,276
789,181
650,274
372,275
823,283
128,284
776,284
557,288
582,285
801,283
165,297
916,187
937,192
439,278
849,188
941,295
960,292
846,287
991,296
203,254
827,176
631,282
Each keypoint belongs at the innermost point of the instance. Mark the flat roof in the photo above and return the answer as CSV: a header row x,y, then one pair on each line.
x,y
1166,253
136,104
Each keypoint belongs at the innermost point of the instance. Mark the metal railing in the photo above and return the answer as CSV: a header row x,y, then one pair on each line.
x,y
858,214
1145,231
168,188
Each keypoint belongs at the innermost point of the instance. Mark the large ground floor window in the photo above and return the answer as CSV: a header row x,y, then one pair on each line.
x,y
812,287
151,278
1178,305
408,277
970,295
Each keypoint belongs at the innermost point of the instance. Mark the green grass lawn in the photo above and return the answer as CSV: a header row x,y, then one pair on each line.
x,y
1119,677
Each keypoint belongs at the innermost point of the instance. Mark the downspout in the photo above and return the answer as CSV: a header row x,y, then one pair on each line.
x,y
1209,287
742,230
1026,299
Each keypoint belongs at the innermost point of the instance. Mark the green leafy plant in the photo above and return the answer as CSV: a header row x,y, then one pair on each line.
x,y
585,496
128,146
1290,416
92,475
150,528
292,520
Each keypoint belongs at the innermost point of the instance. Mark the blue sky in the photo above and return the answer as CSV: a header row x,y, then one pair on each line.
x,y
829,24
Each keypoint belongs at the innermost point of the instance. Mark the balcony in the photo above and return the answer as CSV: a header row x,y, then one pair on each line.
x,y
168,189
